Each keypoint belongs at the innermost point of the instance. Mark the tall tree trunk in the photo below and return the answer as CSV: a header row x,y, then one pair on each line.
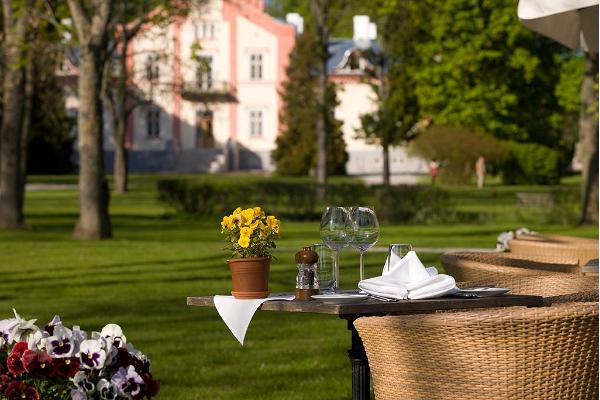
x,y
94,222
15,34
92,26
386,164
320,12
120,167
588,130
29,89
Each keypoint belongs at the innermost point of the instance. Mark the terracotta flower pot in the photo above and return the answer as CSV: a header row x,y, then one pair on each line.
x,y
250,277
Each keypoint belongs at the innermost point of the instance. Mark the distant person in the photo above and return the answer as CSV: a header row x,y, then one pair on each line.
x,y
480,171
434,166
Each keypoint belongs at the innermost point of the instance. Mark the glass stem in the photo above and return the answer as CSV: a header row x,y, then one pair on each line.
x,y
336,271
362,267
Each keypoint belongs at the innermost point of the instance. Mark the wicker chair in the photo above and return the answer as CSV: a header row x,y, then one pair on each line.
x,y
554,288
513,353
491,266
536,237
584,250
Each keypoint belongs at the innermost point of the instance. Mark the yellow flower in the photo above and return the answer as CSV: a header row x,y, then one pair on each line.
x,y
264,230
273,223
244,241
246,232
237,211
227,223
247,216
258,212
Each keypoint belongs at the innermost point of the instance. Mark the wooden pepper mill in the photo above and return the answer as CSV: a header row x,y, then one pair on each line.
x,y
307,281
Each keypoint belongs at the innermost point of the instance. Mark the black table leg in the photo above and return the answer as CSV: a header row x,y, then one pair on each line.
x,y
361,373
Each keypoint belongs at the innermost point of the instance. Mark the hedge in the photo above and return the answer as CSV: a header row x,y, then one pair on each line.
x,y
294,198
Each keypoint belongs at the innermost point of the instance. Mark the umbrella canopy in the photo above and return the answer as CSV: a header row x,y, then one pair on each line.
x,y
574,23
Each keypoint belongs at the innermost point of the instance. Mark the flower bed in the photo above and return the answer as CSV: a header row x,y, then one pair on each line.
x,y
56,363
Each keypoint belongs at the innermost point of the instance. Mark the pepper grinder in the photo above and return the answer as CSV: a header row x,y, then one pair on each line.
x,y
307,281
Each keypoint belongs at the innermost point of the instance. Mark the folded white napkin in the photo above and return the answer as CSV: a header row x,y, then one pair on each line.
x,y
409,279
237,313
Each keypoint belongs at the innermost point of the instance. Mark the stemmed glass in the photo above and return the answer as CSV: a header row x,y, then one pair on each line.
x,y
336,232
365,232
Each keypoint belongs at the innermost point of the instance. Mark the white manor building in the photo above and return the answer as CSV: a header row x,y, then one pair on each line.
x,y
223,65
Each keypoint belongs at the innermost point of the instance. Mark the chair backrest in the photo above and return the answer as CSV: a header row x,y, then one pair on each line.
x,y
479,266
584,250
494,354
554,288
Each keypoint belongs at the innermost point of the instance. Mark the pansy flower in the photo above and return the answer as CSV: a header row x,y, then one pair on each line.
x,y
107,390
61,343
66,367
22,329
21,391
128,382
13,362
37,364
83,383
113,334
50,327
92,353
77,394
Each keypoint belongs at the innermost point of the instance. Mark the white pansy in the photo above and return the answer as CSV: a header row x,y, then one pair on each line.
x,y
114,335
107,389
92,353
22,329
62,343
82,382
37,341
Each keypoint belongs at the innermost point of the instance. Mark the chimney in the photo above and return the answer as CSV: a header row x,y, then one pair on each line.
x,y
361,31
297,21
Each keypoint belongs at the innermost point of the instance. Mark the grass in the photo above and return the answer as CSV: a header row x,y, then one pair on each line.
x,y
141,278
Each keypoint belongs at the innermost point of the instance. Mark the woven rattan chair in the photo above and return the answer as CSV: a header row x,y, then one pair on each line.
x,y
582,249
554,288
492,266
540,353
536,237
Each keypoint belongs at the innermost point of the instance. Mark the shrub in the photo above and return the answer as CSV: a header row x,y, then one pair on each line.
x,y
293,198
533,163
458,150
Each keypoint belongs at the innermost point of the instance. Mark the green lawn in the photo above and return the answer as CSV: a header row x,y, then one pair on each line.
x,y
141,278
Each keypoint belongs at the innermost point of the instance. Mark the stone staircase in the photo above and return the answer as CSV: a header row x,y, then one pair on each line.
x,y
197,160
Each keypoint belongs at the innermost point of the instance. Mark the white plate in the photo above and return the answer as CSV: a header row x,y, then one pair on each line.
x,y
481,292
339,298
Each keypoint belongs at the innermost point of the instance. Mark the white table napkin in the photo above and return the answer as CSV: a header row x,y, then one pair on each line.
x,y
409,279
237,313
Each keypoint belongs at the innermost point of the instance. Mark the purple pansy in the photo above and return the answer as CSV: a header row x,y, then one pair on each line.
x,y
128,382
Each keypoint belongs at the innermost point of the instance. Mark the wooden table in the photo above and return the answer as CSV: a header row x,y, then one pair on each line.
x,y
370,307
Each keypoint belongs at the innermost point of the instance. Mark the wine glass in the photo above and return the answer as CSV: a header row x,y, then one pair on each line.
x,y
397,251
336,232
365,232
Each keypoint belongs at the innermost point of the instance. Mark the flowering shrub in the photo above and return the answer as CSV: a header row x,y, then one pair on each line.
x,y
250,233
58,363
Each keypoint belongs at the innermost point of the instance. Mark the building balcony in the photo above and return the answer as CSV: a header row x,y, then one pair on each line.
x,y
213,92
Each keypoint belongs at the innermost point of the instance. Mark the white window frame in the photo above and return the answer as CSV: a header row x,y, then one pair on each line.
x,y
256,123
256,66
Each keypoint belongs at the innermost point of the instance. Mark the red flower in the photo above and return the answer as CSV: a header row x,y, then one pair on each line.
x,y
37,364
66,367
152,386
21,391
18,349
15,365
4,381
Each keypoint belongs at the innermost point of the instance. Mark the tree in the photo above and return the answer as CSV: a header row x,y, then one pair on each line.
x,y
296,152
92,22
120,94
396,119
481,68
17,24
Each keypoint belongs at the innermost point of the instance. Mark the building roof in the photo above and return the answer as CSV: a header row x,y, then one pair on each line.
x,y
340,50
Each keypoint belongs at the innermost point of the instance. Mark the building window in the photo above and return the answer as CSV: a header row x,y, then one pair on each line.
x,y
153,122
204,72
205,30
152,68
256,124
256,67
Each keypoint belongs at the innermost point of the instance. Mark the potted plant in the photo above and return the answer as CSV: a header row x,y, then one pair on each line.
x,y
250,235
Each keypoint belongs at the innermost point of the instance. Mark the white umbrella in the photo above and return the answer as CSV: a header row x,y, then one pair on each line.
x,y
574,23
